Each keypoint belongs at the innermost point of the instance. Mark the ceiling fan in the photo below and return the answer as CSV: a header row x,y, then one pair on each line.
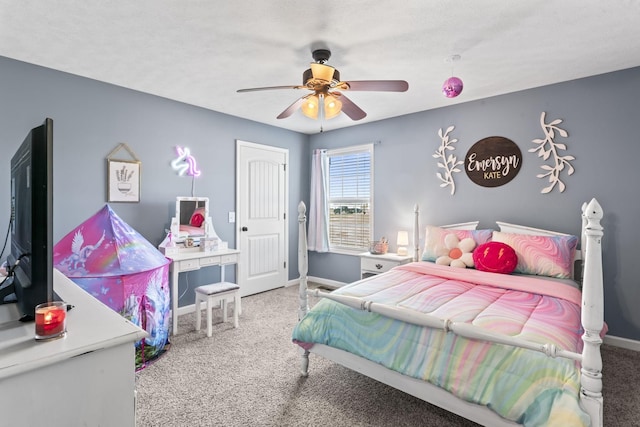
x,y
326,100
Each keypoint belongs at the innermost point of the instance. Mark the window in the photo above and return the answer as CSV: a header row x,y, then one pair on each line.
x,y
350,198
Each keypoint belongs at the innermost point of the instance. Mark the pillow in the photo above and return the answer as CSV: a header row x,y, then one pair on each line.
x,y
550,256
434,242
197,218
495,257
460,252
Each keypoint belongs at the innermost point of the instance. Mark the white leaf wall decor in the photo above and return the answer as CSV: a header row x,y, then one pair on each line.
x,y
547,148
447,162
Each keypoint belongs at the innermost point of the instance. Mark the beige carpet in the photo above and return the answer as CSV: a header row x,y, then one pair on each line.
x,y
250,377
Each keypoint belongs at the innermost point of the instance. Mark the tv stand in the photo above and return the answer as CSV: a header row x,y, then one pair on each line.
x,y
10,289
6,291
85,378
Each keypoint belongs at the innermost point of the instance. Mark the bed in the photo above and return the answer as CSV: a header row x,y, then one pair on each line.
x,y
499,349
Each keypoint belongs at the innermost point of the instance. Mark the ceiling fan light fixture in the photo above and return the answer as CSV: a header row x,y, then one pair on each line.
x,y
332,106
322,72
310,106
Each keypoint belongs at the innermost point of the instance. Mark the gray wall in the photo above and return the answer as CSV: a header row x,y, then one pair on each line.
x,y
92,118
601,115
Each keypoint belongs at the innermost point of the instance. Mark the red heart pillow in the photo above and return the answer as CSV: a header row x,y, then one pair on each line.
x,y
495,257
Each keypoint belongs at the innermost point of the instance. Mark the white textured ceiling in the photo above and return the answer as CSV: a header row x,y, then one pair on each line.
x,y
201,51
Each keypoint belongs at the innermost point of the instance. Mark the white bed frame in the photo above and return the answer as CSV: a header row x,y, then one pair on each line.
x,y
592,321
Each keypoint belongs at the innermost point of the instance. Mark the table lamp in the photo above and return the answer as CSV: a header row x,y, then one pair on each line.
x,y
402,242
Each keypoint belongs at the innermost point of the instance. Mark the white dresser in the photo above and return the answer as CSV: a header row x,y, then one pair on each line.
x,y
84,379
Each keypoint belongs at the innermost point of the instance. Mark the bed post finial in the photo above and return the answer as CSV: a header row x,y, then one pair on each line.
x,y
303,262
592,313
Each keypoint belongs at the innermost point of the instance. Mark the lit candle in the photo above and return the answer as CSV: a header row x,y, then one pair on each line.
x,y
50,319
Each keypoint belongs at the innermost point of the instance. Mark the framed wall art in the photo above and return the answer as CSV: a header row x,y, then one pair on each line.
x,y
123,177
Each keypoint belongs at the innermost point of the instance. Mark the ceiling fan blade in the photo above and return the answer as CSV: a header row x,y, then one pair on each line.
x,y
375,85
291,108
255,89
350,109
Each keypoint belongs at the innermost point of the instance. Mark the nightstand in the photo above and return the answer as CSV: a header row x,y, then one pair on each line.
x,y
371,265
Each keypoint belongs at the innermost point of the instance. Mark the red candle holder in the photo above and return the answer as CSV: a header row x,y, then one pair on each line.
x,y
51,320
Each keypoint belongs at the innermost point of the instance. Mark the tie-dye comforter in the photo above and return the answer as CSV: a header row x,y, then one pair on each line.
x,y
521,385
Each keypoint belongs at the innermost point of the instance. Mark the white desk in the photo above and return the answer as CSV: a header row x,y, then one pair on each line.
x,y
189,261
85,378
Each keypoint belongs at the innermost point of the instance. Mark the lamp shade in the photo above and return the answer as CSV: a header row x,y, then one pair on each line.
x,y
332,106
322,72
310,107
403,238
402,242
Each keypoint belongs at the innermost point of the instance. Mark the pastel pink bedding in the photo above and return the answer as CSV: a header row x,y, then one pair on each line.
x,y
527,307
521,385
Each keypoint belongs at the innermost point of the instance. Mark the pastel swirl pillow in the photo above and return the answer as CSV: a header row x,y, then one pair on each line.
x,y
434,242
550,256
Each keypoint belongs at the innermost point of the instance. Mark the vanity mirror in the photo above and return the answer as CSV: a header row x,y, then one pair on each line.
x,y
192,219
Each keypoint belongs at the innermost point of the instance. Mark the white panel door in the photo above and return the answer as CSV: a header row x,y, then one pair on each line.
x,y
261,217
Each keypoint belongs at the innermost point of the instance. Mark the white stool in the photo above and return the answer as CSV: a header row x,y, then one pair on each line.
x,y
217,293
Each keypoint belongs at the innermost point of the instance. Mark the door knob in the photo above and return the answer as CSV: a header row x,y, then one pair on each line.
x,y
244,229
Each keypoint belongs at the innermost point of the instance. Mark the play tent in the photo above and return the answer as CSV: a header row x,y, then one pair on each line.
x,y
115,264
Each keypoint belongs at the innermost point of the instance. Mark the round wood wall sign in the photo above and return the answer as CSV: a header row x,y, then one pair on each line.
x,y
493,161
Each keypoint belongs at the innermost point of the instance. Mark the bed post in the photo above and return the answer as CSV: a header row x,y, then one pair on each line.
x,y
592,314
303,261
303,269
416,233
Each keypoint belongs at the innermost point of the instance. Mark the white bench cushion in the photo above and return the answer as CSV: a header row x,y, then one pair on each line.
x,y
216,288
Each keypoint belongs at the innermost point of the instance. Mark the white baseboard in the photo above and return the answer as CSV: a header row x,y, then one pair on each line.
x,y
293,282
319,280
186,309
622,342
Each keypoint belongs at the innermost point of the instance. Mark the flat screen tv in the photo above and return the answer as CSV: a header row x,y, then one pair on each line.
x,y
31,259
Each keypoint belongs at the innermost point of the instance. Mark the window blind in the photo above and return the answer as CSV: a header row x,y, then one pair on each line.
x,y
350,202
